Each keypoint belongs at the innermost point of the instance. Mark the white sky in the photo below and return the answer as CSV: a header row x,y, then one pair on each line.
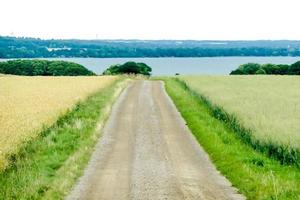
x,y
151,19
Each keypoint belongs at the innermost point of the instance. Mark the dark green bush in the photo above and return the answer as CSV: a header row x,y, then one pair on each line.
x,y
283,69
295,68
129,68
43,68
260,71
270,68
254,68
249,68
237,72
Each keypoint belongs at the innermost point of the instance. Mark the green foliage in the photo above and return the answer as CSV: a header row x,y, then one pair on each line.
x,y
256,175
238,71
249,68
283,69
43,68
260,71
295,68
270,68
254,68
129,68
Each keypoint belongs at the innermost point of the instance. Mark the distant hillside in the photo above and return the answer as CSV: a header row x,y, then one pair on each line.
x,y
12,47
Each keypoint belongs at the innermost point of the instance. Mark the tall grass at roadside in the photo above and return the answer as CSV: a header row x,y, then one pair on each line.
x,y
30,104
256,175
48,166
263,111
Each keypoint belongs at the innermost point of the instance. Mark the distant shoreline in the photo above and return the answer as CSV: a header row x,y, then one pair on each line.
x,y
12,47
49,58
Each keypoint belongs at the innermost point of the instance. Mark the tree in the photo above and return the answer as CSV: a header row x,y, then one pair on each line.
x,y
260,71
294,69
43,68
129,68
283,69
271,68
237,72
249,68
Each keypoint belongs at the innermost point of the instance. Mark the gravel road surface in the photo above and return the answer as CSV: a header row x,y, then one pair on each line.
x,y
146,152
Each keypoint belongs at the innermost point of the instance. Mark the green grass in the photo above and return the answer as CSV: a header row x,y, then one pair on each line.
x,y
256,175
263,110
48,167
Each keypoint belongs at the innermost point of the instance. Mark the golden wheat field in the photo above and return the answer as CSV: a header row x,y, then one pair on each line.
x,y
268,105
27,104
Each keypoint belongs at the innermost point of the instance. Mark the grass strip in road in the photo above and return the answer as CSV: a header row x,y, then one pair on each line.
x,y
48,167
256,175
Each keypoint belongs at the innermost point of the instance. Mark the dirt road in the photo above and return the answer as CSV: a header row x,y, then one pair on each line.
x,y
147,152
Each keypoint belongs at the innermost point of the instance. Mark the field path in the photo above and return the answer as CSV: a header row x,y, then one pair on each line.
x,y
147,153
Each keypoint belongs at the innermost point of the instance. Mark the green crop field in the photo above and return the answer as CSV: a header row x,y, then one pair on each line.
x,y
254,174
268,106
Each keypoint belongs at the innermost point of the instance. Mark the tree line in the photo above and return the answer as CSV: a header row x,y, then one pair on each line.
x,y
255,68
43,68
11,47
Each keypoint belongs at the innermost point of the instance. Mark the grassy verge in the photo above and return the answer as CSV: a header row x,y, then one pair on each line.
x,y
256,175
47,167
274,135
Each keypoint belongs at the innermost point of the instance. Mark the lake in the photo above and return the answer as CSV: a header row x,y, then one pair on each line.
x,y
170,66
